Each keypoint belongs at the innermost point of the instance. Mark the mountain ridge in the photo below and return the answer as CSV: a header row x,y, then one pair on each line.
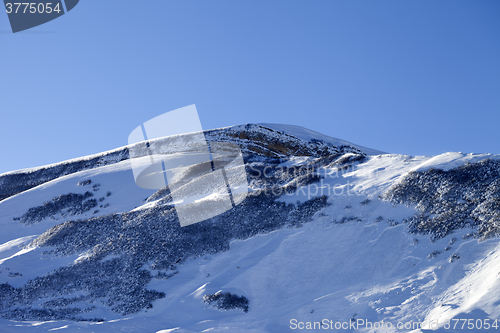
x,y
247,136
325,232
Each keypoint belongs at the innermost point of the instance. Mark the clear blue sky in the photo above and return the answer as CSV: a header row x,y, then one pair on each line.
x,y
419,77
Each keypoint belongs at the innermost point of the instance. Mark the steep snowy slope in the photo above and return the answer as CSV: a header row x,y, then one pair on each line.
x,y
327,235
254,139
308,135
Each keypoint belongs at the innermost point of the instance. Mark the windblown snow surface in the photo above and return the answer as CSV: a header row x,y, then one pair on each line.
x,y
351,247
307,134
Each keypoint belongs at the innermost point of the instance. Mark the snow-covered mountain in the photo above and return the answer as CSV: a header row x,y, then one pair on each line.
x,y
331,233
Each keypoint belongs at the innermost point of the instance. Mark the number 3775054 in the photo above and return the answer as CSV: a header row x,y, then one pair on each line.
x,y
33,8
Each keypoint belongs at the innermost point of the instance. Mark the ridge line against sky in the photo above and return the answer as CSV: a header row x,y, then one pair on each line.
x,y
413,77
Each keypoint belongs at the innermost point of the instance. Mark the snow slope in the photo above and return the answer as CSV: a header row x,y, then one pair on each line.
x,y
307,134
251,138
352,263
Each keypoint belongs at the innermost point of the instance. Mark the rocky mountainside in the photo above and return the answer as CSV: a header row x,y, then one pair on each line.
x,y
252,139
328,229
